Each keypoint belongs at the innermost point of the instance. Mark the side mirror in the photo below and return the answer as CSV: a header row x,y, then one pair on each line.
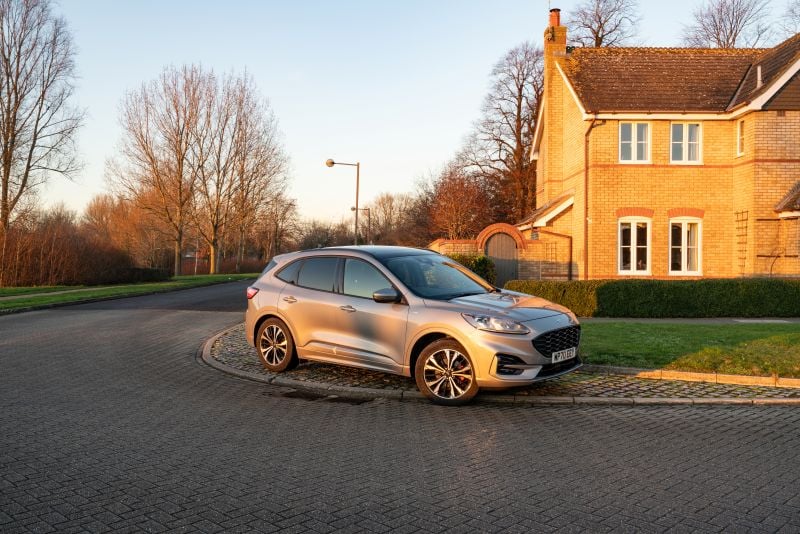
x,y
386,295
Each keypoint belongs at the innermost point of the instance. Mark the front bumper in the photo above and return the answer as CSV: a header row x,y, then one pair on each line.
x,y
504,360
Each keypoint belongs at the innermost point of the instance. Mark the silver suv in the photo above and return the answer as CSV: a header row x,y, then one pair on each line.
x,y
410,312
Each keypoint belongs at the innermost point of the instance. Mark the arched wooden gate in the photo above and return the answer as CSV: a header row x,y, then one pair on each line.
x,y
502,250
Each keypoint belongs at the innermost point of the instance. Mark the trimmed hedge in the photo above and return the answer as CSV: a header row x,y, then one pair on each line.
x,y
738,297
478,264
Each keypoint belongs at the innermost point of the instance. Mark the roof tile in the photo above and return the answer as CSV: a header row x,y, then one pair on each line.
x,y
657,79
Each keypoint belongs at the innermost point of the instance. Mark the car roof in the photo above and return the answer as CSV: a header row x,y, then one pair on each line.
x,y
376,251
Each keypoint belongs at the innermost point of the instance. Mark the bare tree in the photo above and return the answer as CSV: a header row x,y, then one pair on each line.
x,y
729,24
498,151
460,204
260,170
159,123
790,22
598,23
214,155
37,124
387,213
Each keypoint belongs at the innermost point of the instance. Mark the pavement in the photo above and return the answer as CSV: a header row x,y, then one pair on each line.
x,y
109,423
228,351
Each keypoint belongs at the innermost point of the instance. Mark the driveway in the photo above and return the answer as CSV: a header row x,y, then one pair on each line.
x,y
108,422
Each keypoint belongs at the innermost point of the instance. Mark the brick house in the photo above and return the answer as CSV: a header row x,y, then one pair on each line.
x,y
689,159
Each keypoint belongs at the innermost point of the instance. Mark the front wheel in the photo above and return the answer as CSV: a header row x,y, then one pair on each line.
x,y
275,346
444,373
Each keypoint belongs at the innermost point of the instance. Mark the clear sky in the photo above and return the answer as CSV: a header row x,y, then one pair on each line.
x,y
392,84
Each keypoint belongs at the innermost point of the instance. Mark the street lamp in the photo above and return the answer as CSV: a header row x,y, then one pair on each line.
x,y
369,222
331,163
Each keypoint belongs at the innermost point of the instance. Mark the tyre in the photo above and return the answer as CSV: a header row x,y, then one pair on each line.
x,y
444,373
275,346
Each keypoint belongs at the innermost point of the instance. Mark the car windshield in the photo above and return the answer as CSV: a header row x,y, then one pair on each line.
x,y
436,277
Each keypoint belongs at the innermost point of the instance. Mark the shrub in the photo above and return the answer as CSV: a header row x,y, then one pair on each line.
x,y
479,264
740,297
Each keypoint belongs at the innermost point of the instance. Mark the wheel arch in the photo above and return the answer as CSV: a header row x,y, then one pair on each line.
x,y
422,342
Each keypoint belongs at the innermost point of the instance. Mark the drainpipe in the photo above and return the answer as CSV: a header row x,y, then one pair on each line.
x,y
586,197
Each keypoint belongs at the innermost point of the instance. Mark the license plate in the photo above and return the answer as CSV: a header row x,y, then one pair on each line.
x,y
563,355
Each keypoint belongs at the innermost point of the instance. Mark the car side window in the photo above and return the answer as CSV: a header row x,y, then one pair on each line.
x,y
318,273
289,273
362,279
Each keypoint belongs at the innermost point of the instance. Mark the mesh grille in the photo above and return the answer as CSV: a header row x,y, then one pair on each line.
x,y
557,340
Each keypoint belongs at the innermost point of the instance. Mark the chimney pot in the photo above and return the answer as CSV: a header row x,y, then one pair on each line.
x,y
555,17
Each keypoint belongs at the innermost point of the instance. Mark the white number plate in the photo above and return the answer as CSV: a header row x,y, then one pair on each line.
x,y
563,355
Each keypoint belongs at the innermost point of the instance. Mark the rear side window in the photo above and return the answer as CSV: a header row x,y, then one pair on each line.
x,y
271,265
289,273
318,273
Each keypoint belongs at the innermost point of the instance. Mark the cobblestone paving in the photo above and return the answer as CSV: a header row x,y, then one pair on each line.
x,y
232,349
109,424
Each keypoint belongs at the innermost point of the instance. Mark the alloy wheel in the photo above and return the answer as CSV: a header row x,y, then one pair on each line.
x,y
273,345
448,374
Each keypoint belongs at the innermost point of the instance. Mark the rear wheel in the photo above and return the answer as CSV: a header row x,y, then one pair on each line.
x,y
275,346
444,373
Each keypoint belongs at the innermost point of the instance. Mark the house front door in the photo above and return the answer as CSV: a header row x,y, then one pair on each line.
x,y
502,250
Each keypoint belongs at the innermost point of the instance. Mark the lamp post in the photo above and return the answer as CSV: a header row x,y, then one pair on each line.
x,y
357,165
369,222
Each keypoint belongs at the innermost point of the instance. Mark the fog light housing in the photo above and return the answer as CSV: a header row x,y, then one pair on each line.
x,y
509,365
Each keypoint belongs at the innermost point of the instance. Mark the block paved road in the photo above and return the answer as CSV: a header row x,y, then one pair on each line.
x,y
108,423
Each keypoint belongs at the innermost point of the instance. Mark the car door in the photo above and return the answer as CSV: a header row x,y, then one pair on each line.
x,y
310,305
374,334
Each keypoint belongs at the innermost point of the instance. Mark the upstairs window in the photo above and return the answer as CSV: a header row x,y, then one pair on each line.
x,y
685,143
634,245
740,138
634,142
684,246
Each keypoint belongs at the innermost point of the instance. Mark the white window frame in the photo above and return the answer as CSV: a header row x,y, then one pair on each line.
x,y
633,221
740,138
634,142
685,144
684,246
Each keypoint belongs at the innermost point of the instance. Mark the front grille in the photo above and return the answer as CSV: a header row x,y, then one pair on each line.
x,y
556,340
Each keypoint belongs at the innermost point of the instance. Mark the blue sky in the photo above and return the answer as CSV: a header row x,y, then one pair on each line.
x,y
394,85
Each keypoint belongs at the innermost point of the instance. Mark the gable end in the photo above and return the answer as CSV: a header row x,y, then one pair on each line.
x,y
787,98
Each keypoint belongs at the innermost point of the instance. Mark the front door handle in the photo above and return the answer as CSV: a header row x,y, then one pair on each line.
x,y
290,299
348,308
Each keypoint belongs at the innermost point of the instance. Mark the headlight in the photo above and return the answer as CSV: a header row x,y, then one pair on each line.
x,y
495,324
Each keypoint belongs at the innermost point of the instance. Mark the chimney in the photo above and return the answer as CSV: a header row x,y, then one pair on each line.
x,y
555,36
555,17
759,79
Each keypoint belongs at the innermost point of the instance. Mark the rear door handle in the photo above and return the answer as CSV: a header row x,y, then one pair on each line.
x,y
290,300
348,308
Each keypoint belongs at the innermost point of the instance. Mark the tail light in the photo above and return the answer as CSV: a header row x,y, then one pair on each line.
x,y
251,292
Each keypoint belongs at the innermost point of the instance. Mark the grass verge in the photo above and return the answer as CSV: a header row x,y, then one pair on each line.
x,y
743,349
79,294
14,291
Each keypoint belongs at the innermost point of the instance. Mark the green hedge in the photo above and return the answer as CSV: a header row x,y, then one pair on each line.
x,y
478,264
740,297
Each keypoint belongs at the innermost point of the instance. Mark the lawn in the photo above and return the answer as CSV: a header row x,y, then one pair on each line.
x,y
73,294
746,348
